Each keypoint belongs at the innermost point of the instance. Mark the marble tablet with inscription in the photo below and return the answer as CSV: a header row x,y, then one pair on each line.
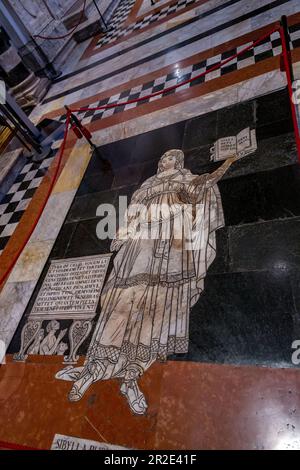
x,y
71,288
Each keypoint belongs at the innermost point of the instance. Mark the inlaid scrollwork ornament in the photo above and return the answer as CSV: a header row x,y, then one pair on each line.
x,y
79,331
28,335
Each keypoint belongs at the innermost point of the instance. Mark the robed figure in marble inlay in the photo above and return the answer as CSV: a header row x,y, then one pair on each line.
x,y
156,278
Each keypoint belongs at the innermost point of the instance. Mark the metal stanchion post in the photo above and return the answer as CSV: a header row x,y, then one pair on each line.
x,y
37,140
84,132
100,14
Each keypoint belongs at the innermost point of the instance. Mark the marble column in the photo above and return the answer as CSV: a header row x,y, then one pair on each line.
x,y
27,88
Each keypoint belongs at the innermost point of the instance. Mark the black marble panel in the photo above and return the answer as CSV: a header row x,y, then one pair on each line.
x,y
232,119
85,241
269,114
144,147
243,318
198,160
85,207
95,166
273,107
272,153
274,129
92,183
139,157
151,145
221,263
200,131
62,242
134,174
262,196
273,246
118,153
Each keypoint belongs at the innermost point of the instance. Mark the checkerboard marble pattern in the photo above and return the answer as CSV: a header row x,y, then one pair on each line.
x,y
270,47
117,21
118,31
14,204
295,35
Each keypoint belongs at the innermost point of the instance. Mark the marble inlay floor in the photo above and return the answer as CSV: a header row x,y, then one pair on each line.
x,y
270,47
143,23
248,314
18,197
183,40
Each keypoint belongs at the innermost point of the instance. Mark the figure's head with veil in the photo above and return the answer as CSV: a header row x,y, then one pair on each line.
x,y
170,160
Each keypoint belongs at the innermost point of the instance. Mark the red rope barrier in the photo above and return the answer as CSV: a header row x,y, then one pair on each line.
x,y
67,34
173,87
286,61
62,148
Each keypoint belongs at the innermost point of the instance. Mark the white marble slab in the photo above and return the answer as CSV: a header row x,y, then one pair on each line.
x,y
55,211
14,298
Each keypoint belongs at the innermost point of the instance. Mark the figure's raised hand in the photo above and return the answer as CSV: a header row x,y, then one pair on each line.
x,y
233,158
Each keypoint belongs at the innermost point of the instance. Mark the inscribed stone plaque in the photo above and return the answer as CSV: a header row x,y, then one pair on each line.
x,y
71,288
61,442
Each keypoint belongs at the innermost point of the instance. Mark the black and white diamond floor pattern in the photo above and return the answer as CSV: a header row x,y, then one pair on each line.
x,y
118,31
118,19
270,47
16,201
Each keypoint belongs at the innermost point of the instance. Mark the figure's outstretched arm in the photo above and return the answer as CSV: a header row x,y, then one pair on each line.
x,y
214,177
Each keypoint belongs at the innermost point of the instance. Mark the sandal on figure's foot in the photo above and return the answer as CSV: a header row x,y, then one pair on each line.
x,y
75,394
135,397
81,386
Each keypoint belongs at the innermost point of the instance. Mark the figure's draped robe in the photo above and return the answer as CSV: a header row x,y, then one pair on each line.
x,y
146,301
